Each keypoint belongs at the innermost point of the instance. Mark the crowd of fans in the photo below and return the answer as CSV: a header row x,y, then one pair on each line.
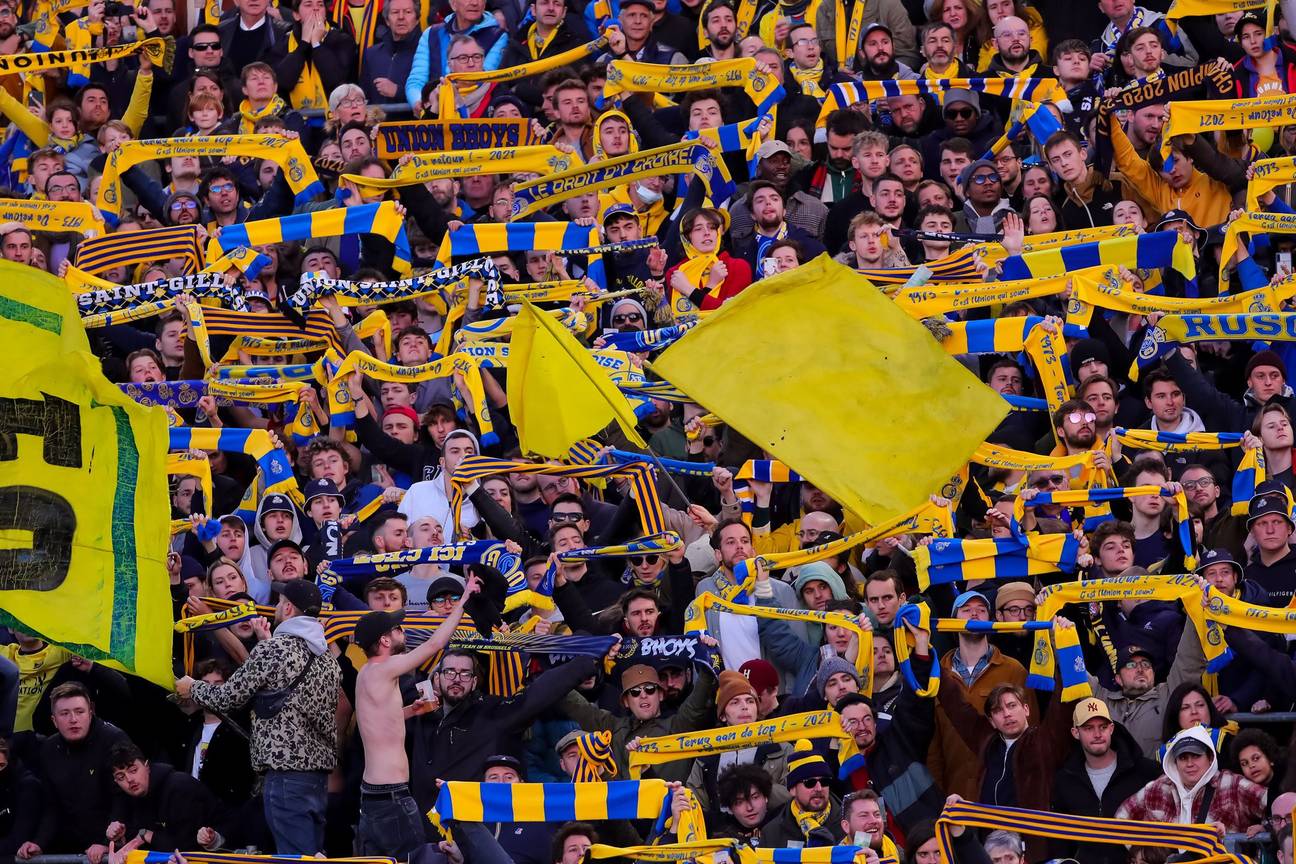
x,y
282,740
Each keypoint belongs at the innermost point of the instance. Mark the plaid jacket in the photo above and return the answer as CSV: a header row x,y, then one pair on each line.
x,y
1237,804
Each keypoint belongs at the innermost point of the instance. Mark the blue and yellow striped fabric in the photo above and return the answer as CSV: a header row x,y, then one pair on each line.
x,y
381,218
767,471
672,466
1139,251
142,856
548,802
208,321
487,238
1167,442
1201,839
958,266
1019,558
97,254
272,461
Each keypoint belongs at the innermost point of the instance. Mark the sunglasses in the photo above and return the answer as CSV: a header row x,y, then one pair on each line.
x,y
566,517
445,598
218,188
177,206
814,783
205,46
959,113
984,179
629,317
1077,417
648,689
1051,480
640,560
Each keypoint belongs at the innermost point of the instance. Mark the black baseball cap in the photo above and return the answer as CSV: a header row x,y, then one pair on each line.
x,y
284,544
1129,652
375,625
302,594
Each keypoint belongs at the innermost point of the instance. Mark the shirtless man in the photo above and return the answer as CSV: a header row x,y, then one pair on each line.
x,y
390,822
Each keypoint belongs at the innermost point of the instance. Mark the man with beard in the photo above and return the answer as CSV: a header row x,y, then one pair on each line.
x,y
938,49
768,210
1102,771
812,817
1015,57
390,821
1074,421
453,741
1220,528
911,117
876,60
836,177
774,164
11,41
1138,703
720,25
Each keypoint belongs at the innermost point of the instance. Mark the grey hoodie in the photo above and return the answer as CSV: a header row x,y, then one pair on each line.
x,y
258,556
308,629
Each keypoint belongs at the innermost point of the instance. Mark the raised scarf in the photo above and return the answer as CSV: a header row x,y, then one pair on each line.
x,y
927,300
161,51
478,239
1188,118
609,173
382,219
543,159
41,214
1138,251
725,739
128,248
434,136
1113,294
313,286
631,76
272,461
547,802
372,367
122,297
456,82
285,152
1171,329
1269,174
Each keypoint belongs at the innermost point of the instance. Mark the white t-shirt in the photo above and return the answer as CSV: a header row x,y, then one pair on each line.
x,y
428,498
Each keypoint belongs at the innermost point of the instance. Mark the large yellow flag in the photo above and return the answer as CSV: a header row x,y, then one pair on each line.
x,y
818,367
84,512
557,393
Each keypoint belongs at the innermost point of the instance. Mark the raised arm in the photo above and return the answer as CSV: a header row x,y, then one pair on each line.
x,y
411,660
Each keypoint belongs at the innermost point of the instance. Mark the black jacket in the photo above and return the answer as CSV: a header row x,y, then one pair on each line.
x,y
452,742
174,808
571,33
334,59
21,805
895,767
389,58
783,830
77,778
1073,794
1218,411
227,766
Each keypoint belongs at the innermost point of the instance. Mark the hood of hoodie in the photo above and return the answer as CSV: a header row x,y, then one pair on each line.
x,y
258,532
1190,422
306,628
1171,770
820,572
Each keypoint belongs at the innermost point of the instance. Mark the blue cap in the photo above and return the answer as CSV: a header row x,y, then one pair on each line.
x,y
963,598
1218,556
317,488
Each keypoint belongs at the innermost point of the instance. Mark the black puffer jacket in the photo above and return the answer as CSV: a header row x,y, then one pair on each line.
x,y
1073,794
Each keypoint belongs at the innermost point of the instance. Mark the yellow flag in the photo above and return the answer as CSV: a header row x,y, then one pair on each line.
x,y
818,367
84,512
557,393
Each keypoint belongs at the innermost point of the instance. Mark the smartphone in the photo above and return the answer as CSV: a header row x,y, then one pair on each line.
x,y
862,839
424,689
769,266
1284,260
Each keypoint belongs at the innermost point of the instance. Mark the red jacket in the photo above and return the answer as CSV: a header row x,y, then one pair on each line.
x,y
739,276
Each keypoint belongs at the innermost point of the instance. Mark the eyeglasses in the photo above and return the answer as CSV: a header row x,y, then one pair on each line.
x,y
814,783
354,102
186,204
1022,611
983,179
642,690
220,188
806,41
1077,417
1190,485
959,113
566,517
1051,480
629,317
457,674
65,189
1138,664
205,46
640,560
444,598
471,58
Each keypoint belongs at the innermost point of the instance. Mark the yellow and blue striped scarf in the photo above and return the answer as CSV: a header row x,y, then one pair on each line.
x,y
128,248
673,748
643,486
382,219
271,461
476,240
547,802
1140,251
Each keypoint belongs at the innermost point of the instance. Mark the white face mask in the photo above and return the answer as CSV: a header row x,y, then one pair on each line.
x,y
648,196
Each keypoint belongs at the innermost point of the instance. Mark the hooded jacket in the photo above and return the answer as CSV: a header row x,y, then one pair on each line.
x,y
258,556
302,736
1089,203
1235,802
